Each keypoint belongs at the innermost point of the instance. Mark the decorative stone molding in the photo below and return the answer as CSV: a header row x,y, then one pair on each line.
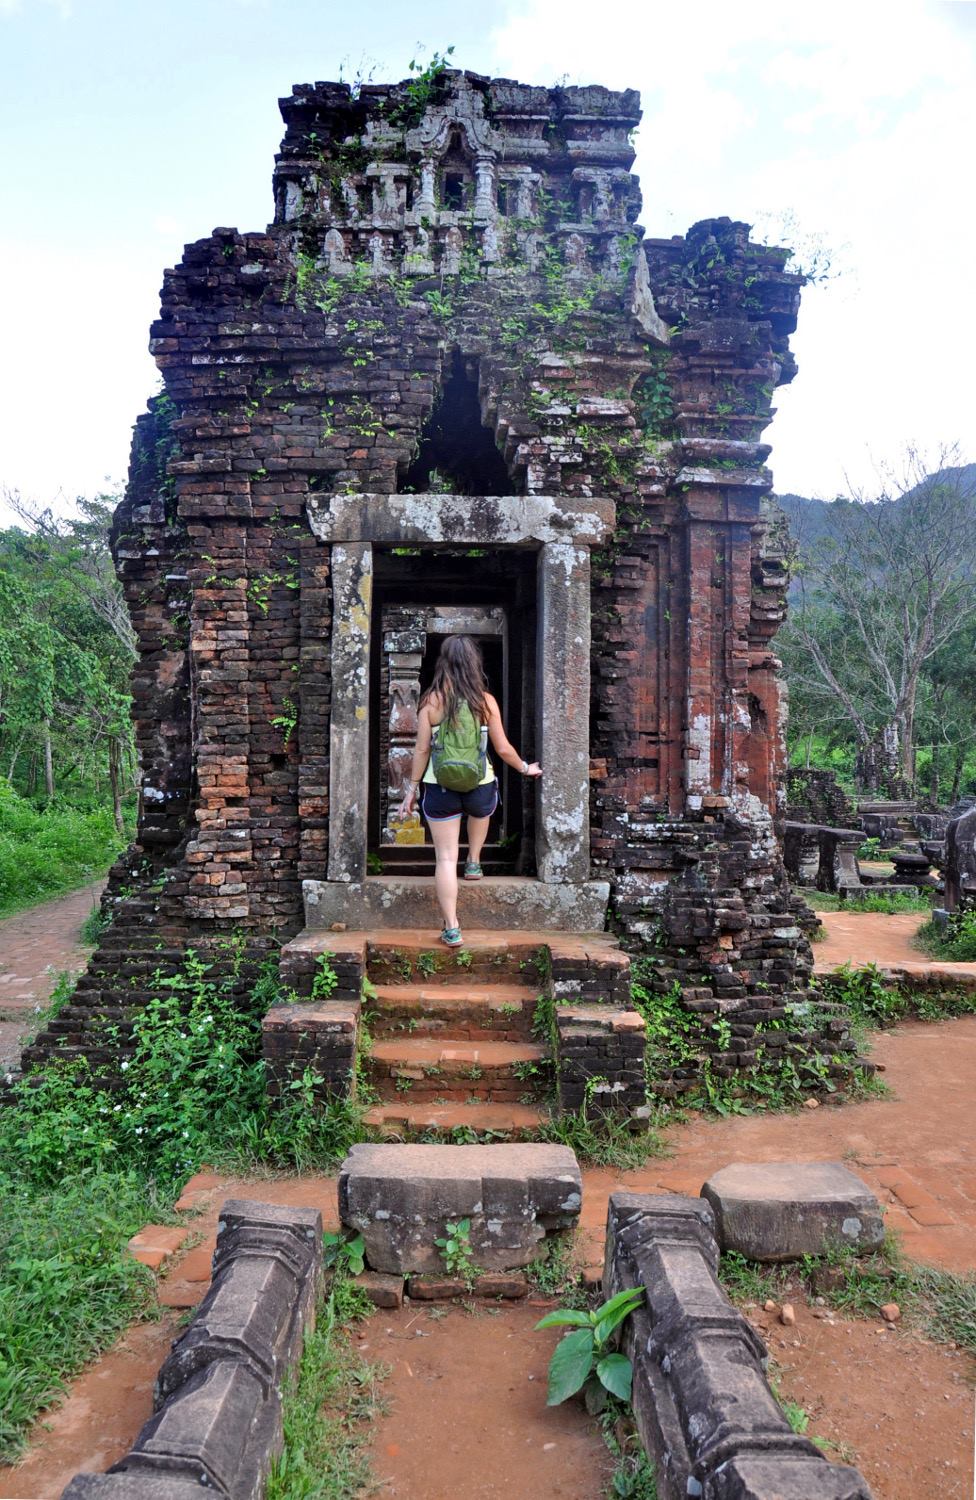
x,y
217,1402
703,1406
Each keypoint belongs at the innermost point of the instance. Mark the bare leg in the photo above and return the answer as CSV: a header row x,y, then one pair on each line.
x,y
446,834
477,833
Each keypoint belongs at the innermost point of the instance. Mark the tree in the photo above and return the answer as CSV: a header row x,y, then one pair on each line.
x,y
884,593
66,649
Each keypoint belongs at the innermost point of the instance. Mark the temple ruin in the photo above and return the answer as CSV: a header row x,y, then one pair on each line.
x,y
454,387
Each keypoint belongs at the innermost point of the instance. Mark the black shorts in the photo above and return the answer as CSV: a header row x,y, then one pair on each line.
x,y
438,803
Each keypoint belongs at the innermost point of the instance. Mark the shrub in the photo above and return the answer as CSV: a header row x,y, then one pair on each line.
x,y
956,940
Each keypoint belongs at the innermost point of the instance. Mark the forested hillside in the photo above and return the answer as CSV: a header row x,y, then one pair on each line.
x,y
67,766
879,650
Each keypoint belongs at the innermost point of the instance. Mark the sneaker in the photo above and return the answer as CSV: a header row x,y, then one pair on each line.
x,y
451,936
473,871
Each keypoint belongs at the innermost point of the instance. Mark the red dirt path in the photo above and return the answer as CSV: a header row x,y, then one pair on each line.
x,y
862,937
35,947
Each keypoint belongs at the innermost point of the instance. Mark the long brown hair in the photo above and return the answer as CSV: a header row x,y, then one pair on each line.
x,y
459,677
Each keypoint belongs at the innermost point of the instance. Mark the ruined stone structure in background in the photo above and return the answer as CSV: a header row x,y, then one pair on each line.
x,y
453,386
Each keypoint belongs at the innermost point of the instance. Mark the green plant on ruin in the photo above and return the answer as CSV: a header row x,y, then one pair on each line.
x,y
584,1359
455,1248
324,977
286,720
440,305
421,89
653,402
344,1253
428,963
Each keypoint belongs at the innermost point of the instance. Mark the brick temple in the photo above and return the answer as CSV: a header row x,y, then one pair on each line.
x,y
454,387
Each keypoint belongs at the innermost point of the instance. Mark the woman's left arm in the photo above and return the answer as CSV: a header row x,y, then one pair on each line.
x,y
421,755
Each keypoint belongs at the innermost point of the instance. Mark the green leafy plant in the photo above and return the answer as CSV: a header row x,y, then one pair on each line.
x,y
455,1248
347,1256
324,977
428,964
583,1360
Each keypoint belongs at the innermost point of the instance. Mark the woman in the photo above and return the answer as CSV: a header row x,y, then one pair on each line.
x,y
459,678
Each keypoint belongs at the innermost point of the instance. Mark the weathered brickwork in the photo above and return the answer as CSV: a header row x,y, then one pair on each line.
x,y
475,245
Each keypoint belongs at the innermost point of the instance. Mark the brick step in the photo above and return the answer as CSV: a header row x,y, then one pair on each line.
x,y
454,1069
405,956
402,1121
502,1012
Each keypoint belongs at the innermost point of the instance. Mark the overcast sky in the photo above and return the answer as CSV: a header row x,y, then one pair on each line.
x,y
129,128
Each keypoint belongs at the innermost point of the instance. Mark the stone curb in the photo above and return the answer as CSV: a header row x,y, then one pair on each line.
x,y
217,1418
703,1407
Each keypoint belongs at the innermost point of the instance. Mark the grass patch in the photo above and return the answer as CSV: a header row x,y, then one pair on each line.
x,y
556,1274
44,853
328,1408
83,1166
67,1286
633,1472
955,940
602,1140
939,1303
885,905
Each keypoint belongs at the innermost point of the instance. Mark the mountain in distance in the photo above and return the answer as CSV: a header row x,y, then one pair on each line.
x,y
809,520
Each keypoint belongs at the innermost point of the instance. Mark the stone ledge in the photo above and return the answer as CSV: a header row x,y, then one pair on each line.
x,y
401,1197
217,1400
704,1410
506,903
467,520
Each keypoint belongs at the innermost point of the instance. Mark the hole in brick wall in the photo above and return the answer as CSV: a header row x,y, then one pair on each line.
x,y
278,762
457,453
503,196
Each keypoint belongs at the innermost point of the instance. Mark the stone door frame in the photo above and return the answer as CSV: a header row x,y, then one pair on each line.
x,y
561,531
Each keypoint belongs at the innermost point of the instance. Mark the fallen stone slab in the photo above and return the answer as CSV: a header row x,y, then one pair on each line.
x,y
777,1211
216,1420
701,1402
400,1198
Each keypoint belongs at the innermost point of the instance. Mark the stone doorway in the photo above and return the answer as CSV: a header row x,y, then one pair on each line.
x,y
527,554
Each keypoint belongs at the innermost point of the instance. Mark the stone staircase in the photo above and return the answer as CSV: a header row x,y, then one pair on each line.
x,y
455,1048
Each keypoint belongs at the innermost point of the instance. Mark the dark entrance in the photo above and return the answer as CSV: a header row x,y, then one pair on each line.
x,y
419,598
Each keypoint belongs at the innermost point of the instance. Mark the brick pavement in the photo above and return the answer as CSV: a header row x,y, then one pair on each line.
x,y
35,947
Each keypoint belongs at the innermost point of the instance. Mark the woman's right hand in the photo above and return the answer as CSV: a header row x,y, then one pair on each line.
x,y
533,769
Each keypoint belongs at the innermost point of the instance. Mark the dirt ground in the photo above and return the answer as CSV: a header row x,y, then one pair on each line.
x,y
35,947
861,937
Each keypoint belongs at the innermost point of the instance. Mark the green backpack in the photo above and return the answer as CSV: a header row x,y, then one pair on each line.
x,y
459,751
